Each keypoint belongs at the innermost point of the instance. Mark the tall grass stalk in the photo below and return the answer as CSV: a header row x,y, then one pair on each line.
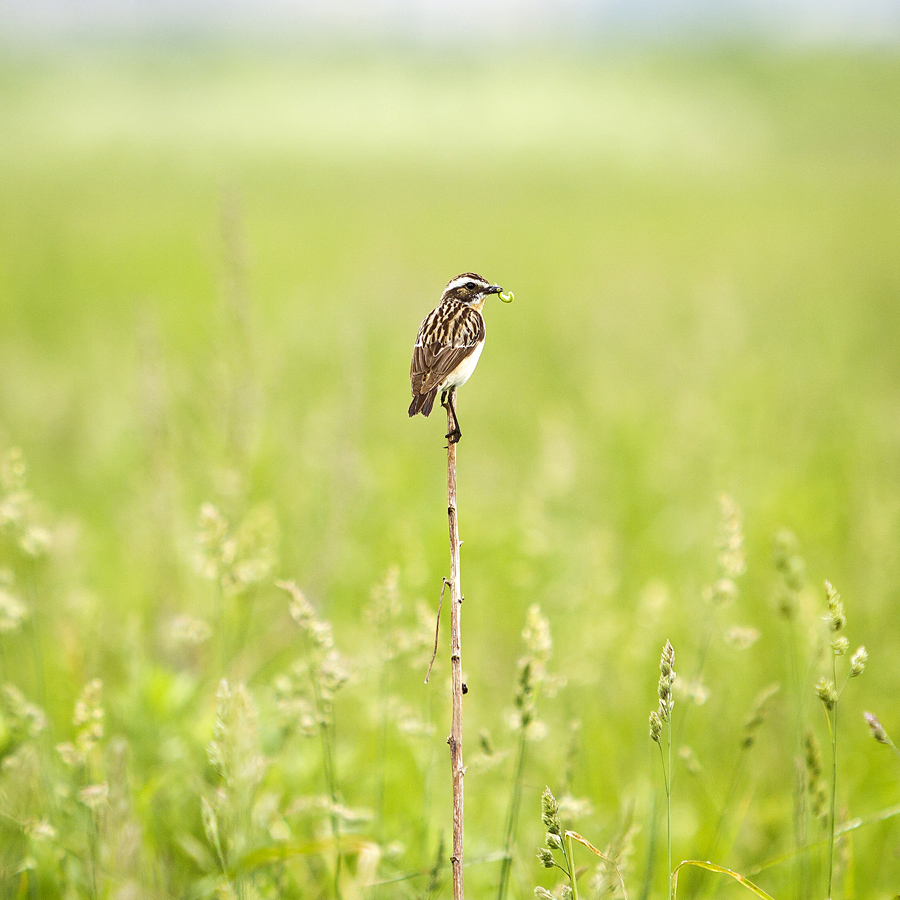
x,y
829,694
512,817
556,842
533,674
455,741
34,633
790,569
562,841
647,886
570,862
667,776
325,677
731,564
831,716
663,715
328,764
752,724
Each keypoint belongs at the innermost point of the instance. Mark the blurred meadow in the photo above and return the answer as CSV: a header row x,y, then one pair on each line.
x,y
213,263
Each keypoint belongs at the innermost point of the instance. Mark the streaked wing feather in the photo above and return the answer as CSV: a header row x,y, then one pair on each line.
x,y
432,364
454,337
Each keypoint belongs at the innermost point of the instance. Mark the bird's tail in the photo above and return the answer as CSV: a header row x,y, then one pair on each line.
x,y
422,403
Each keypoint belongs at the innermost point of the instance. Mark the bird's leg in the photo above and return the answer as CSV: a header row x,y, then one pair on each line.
x,y
447,402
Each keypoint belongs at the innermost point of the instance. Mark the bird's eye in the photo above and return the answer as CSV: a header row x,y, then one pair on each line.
x,y
470,285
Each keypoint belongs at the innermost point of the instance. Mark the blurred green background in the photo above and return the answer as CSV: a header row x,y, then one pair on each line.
x,y
213,263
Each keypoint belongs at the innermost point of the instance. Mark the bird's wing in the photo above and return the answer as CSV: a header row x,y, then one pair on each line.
x,y
446,338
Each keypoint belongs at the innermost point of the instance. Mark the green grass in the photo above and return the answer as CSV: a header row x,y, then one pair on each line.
x,y
212,267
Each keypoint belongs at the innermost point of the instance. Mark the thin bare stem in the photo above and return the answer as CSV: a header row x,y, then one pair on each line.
x,y
36,652
570,862
651,852
890,744
832,727
455,740
669,810
328,763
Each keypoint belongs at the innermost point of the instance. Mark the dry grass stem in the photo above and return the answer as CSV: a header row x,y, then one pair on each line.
x,y
455,740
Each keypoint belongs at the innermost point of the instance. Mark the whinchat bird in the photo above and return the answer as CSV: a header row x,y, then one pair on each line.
x,y
448,346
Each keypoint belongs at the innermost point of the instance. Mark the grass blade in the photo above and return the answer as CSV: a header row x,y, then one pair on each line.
x,y
712,867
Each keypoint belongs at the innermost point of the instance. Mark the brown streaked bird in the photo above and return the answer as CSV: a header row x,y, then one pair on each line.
x,y
448,346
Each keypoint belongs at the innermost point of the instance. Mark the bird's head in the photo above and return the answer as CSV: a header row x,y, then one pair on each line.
x,y
471,289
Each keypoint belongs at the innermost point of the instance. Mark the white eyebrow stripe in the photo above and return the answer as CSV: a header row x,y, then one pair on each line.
x,y
460,281
457,282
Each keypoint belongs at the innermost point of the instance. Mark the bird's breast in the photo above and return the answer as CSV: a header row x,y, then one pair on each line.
x,y
461,374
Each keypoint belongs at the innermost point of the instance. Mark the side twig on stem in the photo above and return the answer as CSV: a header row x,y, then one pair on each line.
x,y
437,631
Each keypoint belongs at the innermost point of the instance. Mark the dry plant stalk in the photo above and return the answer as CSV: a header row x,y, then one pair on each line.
x,y
455,739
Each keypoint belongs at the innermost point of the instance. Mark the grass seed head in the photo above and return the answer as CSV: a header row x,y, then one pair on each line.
x,y
812,756
189,631
234,749
723,593
35,541
533,673
385,605
666,681
41,830
318,630
858,662
210,822
333,675
612,869
690,760
13,471
18,512
88,719
826,692
757,716
667,662
791,570
237,557
575,807
94,796
741,637
13,612
732,561
536,634
787,559
836,618
876,728
816,789
24,719
550,812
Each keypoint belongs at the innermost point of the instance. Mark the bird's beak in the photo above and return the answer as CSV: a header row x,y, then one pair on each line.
x,y
494,289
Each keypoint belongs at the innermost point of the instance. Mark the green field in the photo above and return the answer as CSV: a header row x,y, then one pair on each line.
x,y
212,267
